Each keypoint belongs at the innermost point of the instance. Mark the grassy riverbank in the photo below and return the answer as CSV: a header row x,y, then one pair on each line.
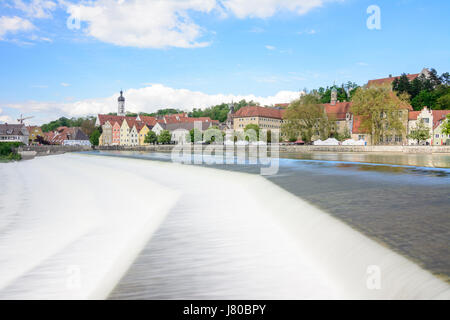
x,y
8,153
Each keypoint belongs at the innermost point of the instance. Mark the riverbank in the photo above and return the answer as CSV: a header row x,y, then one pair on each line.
x,y
29,152
306,149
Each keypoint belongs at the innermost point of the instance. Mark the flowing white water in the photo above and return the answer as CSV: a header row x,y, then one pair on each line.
x,y
71,226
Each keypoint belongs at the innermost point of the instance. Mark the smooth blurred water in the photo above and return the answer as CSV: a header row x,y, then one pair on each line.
x,y
156,230
403,205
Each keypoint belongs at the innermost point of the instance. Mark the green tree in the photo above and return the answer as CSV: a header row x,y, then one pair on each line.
x,y
421,132
443,102
306,118
165,137
252,131
151,137
94,137
379,111
212,134
195,135
88,126
446,126
424,99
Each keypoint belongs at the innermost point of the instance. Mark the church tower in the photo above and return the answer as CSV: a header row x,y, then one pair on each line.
x,y
121,109
334,96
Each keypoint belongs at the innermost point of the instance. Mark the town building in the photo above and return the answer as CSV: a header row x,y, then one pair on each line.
x,y
14,133
387,82
265,117
36,136
433,120
107,136
68,136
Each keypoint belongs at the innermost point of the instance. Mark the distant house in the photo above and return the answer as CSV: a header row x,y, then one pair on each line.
x,y
107,135
433,120
142,130
14,133
180,131
35,134
116,134
68,136
389,80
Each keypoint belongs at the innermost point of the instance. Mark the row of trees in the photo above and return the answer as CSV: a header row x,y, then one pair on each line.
x,y
87,124
165,137
220,111
432,91
345,92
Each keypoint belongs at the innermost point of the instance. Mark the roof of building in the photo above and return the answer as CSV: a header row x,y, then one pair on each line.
x,y
64,133
149,121
12,129
339,110
139,125
32,128
389,80
439,116
356,129
186,126
103,118
412,115
257,111
121,98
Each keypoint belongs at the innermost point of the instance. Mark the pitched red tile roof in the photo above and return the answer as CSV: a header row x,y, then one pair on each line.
x,y
130,121
389,80
438,116
149,121
257,111
139,125
103,118
412,115
338,111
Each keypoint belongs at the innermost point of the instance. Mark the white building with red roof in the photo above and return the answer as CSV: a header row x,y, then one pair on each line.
x,y
265,117
433,120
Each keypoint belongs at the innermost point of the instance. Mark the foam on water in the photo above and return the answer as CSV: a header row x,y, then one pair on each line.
x,y
72,225
72,234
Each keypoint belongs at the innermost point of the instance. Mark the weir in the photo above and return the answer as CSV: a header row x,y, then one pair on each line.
x,y
128,228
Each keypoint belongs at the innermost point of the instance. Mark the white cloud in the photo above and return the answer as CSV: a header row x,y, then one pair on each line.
x,y
65,84
5,119
268,47
36,8
14,25
362,64
257,30
148,99
143,23
168,23
267,8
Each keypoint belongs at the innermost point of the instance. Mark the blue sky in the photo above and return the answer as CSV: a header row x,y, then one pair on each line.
x,y
218,50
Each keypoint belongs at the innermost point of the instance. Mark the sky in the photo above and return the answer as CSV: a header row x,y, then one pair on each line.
x,y
71,58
